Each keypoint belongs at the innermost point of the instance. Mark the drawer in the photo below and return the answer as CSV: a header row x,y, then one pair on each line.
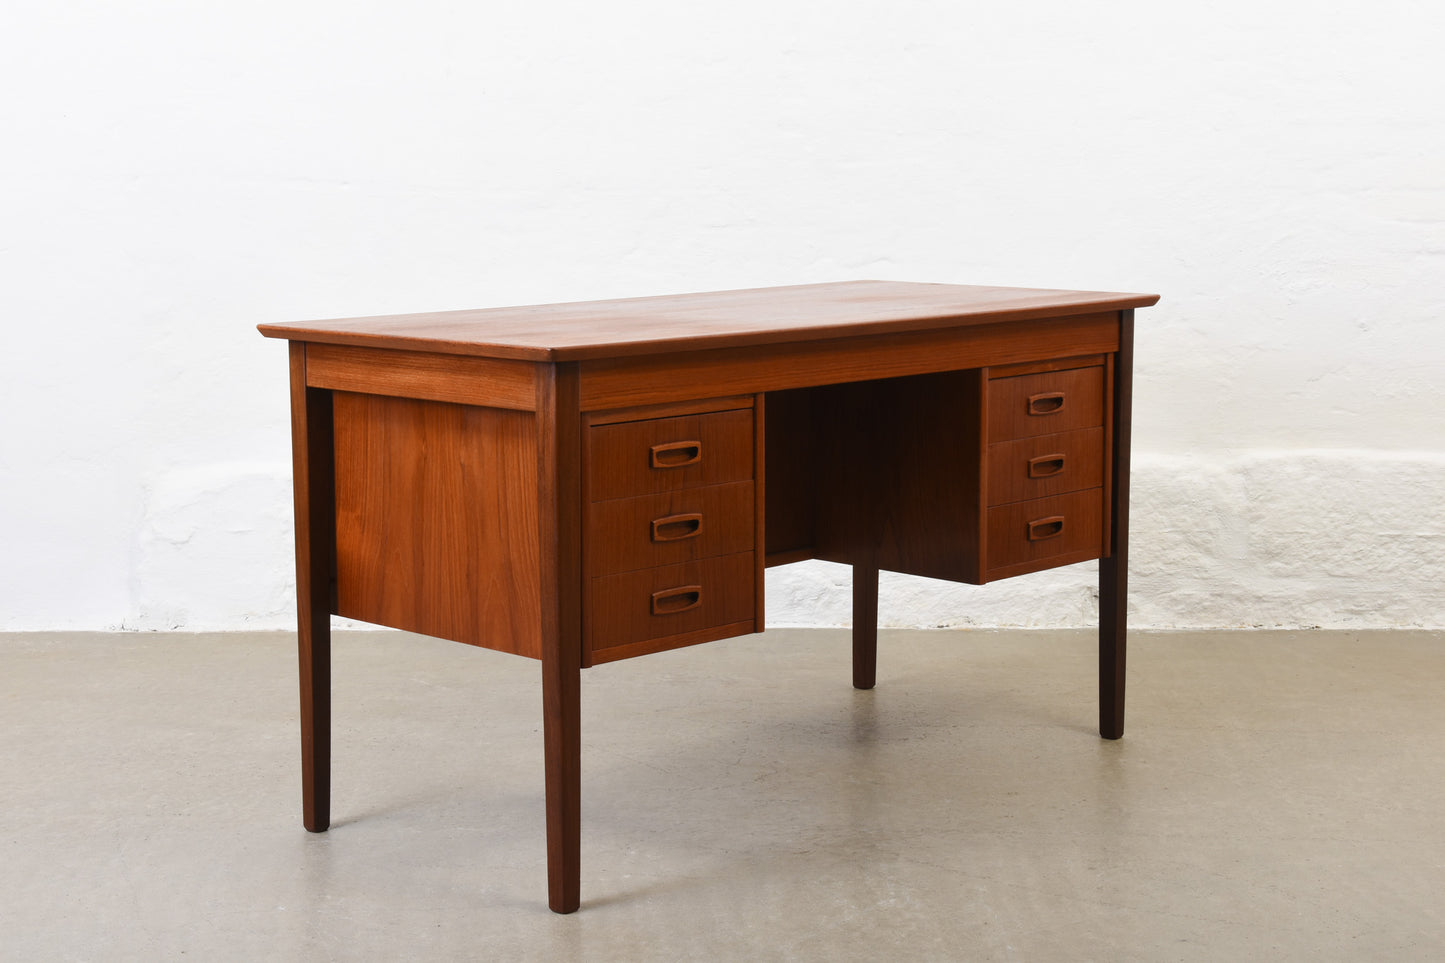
x,y
1046,528
656,603
668,454
1045,403
624,534
1045,465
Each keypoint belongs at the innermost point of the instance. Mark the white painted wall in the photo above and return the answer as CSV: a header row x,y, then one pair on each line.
x,y
174,173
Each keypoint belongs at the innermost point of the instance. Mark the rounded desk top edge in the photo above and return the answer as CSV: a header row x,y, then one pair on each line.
x,y
628,327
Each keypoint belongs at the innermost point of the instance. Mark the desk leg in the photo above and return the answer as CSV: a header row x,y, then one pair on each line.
x,y
562,735
865,625
314,655
313,468
1113,581
560,476
1114,570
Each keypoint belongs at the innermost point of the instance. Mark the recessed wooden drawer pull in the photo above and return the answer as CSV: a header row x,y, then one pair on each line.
x,y
676,454
1043,528
1047,403
1046,466
675,528
674,600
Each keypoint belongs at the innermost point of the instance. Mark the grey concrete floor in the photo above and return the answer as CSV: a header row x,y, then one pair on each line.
x,y
1276,796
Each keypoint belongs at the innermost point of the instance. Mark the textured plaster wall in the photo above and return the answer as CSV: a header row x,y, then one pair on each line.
x,y
175,173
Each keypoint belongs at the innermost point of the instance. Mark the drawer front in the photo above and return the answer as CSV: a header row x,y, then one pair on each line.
x,y
624,534
1045,465
669,454
1046,528
655,603
1045,403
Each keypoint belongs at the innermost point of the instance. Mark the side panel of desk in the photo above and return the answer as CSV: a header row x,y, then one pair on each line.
x,y
440,505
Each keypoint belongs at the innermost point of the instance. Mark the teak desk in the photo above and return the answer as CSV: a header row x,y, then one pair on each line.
x,y
580,483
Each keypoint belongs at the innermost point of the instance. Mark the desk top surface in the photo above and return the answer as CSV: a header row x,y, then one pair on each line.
x,y
690,322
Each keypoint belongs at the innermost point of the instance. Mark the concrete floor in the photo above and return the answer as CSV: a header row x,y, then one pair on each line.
x,y
1276,796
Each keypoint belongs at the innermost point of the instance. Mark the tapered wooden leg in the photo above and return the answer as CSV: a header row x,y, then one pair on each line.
x,y
1113,582
562,734
865,625
1114,570
560,477
313,471
314,651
